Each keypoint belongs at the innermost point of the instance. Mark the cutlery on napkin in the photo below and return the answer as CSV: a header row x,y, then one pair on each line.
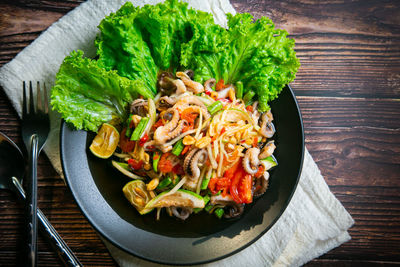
x,y
313,223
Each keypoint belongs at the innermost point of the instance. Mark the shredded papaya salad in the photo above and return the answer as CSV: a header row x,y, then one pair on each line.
x,y
194,147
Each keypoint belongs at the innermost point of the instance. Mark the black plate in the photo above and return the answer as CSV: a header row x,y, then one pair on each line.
x,y
97,188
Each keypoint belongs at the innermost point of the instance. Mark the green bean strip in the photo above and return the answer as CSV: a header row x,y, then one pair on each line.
x,y
239,90
164,183
156,159
219,212
139,129
248,97
178,148
215,107
204,183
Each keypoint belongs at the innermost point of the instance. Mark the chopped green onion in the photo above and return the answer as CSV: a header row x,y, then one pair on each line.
x,y
208,208
239,89
156,159
164,183
139,129
178,147
206,199
219,212
248,97
215,107
124,165
204,183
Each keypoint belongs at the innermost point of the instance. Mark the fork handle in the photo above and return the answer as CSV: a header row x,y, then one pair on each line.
x,y
31,204
63,251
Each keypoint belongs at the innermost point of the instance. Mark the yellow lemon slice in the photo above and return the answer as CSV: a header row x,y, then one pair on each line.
x,y
105,142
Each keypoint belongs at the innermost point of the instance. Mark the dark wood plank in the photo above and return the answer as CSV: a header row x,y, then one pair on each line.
x,y
346,48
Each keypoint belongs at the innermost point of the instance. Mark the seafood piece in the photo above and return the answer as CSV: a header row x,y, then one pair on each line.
x,y
250,161
139,107
181,212
267,127
191,163
209,84
261,185
233,209
191,85
267,150
163,133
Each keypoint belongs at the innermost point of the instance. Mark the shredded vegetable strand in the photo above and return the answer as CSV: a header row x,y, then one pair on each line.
x,y
200,125
121,155
203,171
214,163
176,139
126,172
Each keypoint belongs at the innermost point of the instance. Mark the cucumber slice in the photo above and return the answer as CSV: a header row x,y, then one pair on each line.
x,y
269,162
181,198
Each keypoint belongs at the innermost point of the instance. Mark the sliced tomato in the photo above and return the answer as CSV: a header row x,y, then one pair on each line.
x,y
233,189
231,171
217,184
245,193
125,144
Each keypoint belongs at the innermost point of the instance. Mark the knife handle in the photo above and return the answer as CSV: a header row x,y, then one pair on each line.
x,y
31,204
63,251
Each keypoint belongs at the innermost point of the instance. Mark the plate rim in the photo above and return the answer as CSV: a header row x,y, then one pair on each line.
x,y
63,126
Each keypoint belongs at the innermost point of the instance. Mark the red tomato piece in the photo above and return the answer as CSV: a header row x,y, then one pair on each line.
x,y
245,193
136,165
125,144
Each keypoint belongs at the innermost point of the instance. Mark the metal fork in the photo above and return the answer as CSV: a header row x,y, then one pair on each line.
x,y
35,129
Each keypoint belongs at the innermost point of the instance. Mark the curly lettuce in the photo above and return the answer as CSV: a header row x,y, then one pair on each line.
x,y
253,52
87,95
137,43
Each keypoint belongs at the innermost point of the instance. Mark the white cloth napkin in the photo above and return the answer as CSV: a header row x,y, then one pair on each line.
x,y
313,223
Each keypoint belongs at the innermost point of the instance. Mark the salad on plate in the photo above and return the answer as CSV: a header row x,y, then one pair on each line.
x,y
180,105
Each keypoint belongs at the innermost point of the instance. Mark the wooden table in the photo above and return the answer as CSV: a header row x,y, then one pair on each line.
x,y
348,88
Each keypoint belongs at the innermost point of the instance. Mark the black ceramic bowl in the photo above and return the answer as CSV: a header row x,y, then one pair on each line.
x,y
97,188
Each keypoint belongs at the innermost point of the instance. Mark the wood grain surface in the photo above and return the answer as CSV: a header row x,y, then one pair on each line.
x,y
348,88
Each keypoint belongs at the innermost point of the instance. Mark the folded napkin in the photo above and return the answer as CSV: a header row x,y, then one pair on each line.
x,y
314,221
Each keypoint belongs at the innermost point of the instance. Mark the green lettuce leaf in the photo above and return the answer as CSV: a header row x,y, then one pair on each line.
x,y
87,95
253,52
121,47
139,42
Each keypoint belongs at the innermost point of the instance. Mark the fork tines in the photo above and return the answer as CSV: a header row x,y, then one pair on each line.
x,y
41,105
